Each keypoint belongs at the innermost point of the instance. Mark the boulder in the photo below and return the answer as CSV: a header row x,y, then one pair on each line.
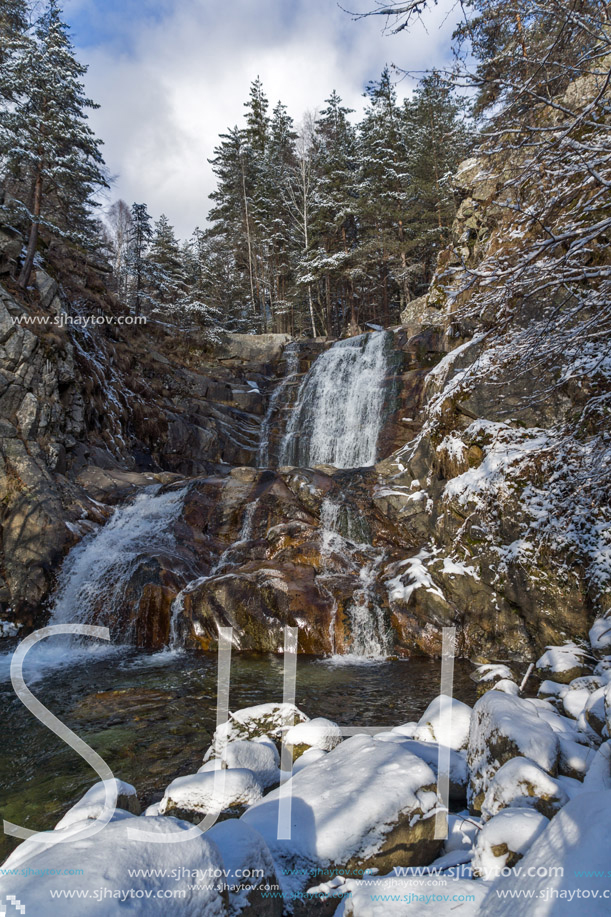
x,y
446,721
251,870
263,720
227,792
259,757
318,733
93,803
505,727
505,839
562,663
389,794
522,784
118,864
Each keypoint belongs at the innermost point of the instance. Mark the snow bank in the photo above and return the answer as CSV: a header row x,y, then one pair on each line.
x,y
398,897
244,852
308,757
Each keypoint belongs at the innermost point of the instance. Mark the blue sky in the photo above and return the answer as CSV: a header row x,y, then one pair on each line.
x,y
171,74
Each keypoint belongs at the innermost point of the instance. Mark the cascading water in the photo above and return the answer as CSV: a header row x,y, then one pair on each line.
x,y
291,354
339,410
370,637
96,570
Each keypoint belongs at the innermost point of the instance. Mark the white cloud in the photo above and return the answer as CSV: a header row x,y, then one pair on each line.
x,y
168,86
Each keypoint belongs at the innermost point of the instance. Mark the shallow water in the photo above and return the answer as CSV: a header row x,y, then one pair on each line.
x,y
151,717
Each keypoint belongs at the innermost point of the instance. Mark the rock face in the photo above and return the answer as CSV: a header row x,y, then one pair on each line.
x,y
439,533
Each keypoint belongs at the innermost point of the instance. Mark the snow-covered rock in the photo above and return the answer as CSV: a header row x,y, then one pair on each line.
x,y
552,689
458,770
567,871
505,839
365,804
594,710
227,791
259,757
252,723
520,783
445,721
507,686
308,757
574,702
317,733
575,758
93,803
249,865
407,730
505,727
600,635
105,859
488,674
562,663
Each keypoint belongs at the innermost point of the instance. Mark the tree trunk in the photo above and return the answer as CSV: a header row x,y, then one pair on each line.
x,y
28,264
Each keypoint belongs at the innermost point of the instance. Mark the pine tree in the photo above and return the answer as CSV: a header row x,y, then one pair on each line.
x,y
257,120
165,266
383,192
13,43
138,265
48,150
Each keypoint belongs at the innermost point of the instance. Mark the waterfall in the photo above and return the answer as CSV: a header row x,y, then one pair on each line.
x,y
291,354
95,572
370,637
339,409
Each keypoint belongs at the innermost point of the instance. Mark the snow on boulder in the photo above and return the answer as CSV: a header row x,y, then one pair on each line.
x,y
316,733
567,871
407,730
93,803
507,686
522,784
310,756
365,804
574,702
257,757
458,770
113,864
488,674
552,690
505,839
252,723
575,758
594,710
505,727
226,791
249,866
600,635
446,721
562,663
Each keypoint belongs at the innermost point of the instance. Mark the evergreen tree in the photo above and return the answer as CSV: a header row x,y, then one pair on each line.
x,y
49,152
137,262
165,266
257,120
383,192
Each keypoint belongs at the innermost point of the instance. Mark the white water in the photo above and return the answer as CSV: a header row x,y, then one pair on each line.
x,y
94,574
291,353
370,638
339,410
